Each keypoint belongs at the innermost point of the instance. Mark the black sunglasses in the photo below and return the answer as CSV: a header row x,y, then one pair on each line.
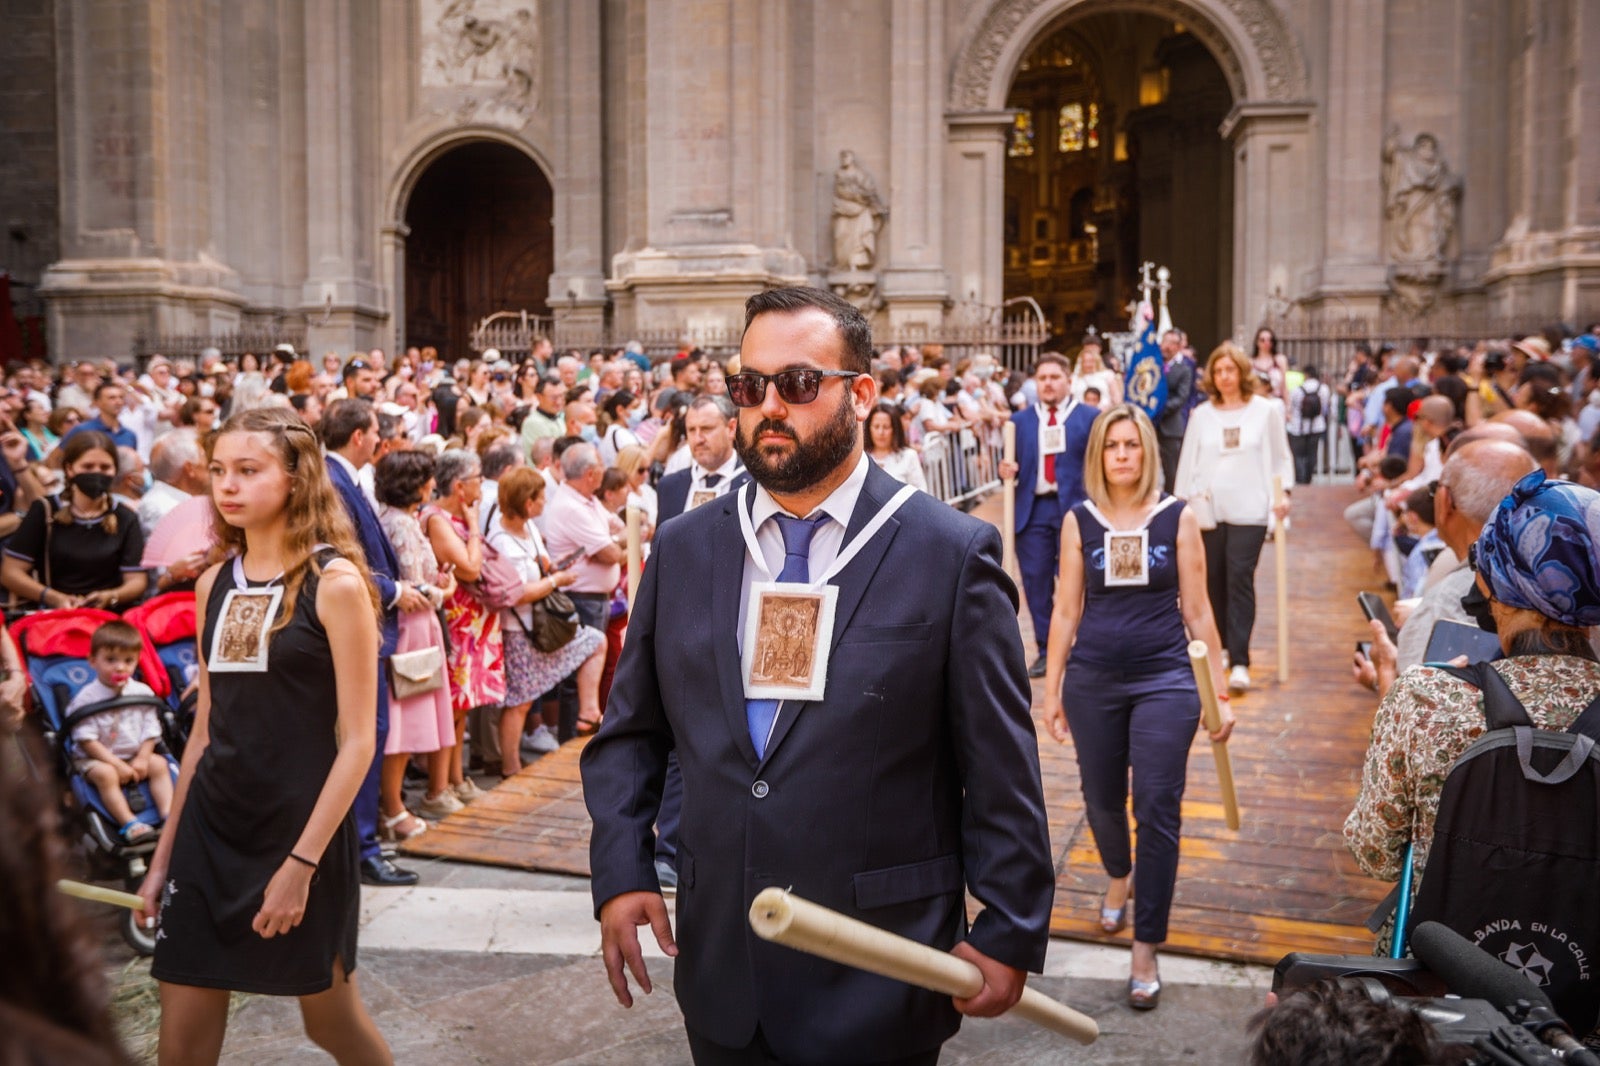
x,y
748,388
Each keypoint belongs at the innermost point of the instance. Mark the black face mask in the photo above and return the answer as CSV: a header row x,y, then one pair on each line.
x,y
93,486
1476,604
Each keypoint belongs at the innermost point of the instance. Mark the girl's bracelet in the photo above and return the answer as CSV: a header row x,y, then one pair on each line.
x,y
303,861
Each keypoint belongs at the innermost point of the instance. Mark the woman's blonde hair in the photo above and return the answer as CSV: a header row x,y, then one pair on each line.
x,y
630,459
1249,384
315,515
1094,463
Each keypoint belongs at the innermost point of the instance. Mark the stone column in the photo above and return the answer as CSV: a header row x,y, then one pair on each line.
x,y
1352,266
1270,150
714,164
1580,243
913,282
577,286
974,187
341,298
138,256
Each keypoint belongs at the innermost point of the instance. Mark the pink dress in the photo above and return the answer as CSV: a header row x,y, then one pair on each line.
x,y
477,665
424,722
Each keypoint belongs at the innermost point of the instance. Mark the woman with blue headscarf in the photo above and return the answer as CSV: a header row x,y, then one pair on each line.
x,y
1538,587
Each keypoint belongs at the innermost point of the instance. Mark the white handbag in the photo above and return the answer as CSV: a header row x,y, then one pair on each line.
x,y
415,673
1204,513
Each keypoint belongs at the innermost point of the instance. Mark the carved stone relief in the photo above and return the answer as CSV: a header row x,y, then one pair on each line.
x,y
487,53
1282,67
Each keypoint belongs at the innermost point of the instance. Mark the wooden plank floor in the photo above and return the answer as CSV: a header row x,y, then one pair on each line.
x,y
1284,882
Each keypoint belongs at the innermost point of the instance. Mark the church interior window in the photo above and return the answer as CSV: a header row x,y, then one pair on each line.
x,y
1092,128
1073,131
1021,135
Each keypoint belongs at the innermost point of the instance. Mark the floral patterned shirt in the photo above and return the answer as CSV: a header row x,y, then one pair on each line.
x,y
1423,725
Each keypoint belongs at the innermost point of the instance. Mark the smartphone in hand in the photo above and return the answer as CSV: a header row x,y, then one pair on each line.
x,y
1376,610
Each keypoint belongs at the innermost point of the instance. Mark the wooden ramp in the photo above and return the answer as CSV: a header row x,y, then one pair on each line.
x,y
1283,883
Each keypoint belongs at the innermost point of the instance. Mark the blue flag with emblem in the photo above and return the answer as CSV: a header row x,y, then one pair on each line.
x,y
1145,379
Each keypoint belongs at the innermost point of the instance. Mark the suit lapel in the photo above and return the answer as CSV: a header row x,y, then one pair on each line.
x,y
852,581
727,581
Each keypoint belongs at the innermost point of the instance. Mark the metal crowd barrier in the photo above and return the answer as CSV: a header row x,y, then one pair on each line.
x,y
962,466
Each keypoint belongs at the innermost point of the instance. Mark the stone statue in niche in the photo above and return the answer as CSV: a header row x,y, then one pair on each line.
x,y
858,214
1422,202
488,50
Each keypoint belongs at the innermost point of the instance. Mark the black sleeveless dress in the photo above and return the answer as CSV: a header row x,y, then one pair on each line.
x,y
272,746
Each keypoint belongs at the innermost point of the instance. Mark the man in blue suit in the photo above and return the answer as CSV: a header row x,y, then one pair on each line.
x,y
903,771
709,424
350,436
1052,436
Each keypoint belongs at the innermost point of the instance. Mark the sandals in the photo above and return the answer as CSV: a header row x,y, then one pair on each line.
x,y
1144,995
587,727
390,831
1115,920
136,832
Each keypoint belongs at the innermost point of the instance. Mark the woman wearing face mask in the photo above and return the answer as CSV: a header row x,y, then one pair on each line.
x,y
618,410
1537,585
79,548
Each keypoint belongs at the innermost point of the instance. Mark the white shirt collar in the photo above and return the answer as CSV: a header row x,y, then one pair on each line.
x,y
349,467
839,506
728,469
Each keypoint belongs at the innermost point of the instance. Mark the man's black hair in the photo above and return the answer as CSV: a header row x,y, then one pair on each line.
x,y
854,329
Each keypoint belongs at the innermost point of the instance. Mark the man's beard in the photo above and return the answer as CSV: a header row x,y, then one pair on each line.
x,y
810,462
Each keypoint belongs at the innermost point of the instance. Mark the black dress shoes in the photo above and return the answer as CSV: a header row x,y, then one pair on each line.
x,y
380,871
1037,669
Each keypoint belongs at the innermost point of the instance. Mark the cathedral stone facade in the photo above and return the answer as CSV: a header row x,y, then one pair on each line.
x,y
378,172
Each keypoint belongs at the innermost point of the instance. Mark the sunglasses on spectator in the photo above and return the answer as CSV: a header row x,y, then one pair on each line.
x,y
800,386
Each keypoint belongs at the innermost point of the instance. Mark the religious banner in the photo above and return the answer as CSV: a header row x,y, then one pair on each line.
x,y
1145,379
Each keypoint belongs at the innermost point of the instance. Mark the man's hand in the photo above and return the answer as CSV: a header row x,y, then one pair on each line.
x,y
1365,673
1002,984
620,918
1385,657
411,600
1008,469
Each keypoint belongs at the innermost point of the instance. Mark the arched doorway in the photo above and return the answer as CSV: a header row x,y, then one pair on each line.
x,y
1115,158
480,240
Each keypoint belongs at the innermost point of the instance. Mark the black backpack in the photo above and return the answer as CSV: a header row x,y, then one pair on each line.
x,y
1515,863
1310,401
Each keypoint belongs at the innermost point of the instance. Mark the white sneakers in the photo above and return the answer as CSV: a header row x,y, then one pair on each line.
x,y
1239,679
542,741
440,806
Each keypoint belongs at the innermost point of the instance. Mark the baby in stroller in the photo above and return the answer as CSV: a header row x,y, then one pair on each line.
x,y
116,746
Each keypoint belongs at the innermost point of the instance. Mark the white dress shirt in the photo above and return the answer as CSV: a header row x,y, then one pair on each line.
x,y
826,542
1042,486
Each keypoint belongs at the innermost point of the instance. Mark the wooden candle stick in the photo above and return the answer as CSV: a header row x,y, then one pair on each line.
x,y
635,554
1211,715
786,919
1008,494
1280,552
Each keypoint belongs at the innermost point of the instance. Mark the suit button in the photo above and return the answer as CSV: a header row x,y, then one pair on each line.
x,y
759,790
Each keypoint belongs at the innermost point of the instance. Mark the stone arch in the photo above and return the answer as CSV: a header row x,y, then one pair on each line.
x,y
431,146
1255,48
425,149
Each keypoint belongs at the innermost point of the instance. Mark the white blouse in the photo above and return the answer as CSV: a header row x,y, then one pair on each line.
x,y
1233,456
904,465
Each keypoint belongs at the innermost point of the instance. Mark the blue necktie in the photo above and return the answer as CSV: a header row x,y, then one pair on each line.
x,y
797,532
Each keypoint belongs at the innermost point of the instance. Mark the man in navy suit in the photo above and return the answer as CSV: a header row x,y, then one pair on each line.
x,y
350,436
906,773
1052,436
709,424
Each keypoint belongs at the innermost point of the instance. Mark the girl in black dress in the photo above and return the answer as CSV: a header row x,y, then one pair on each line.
x,y
256,874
